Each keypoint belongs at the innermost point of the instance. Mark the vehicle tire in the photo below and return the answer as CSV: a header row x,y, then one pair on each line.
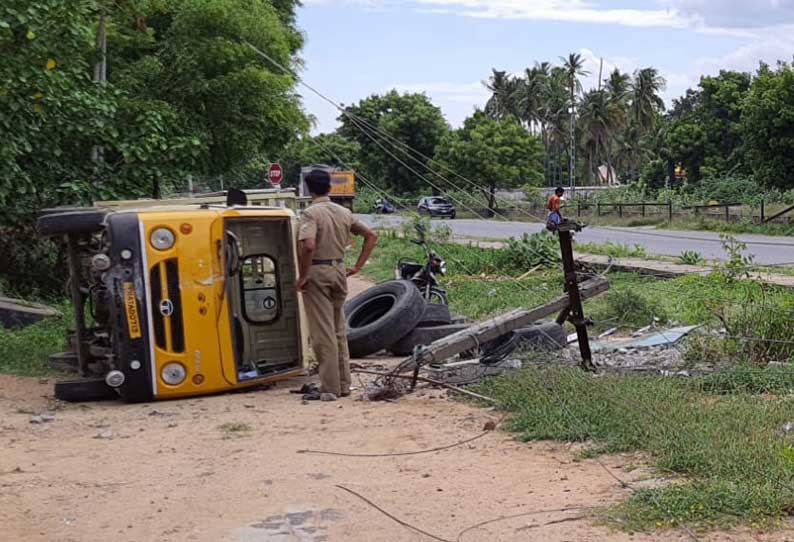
x,y
542,336
452,216
381,316
71,222
435,315
423,336
84,389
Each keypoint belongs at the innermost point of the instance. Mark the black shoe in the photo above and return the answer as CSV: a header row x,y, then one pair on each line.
x,y
306,388
313,395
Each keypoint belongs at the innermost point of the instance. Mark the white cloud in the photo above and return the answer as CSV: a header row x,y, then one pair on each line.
x,y
556,10
735,13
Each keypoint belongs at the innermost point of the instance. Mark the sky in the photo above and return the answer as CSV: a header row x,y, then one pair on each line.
x,y
447,48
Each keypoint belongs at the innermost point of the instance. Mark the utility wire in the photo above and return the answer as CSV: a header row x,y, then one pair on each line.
x,y
358,121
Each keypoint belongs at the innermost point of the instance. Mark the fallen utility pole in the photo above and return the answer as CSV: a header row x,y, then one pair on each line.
x,y
478,334
574,311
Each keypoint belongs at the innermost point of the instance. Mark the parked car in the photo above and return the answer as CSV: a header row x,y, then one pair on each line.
x,y
435,206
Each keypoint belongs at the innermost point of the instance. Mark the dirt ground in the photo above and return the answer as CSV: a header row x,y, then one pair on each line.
x,y
230,468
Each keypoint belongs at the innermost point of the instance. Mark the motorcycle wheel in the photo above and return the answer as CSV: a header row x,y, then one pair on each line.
x,y
438,296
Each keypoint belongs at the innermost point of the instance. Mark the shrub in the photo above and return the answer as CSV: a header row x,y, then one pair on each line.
x,y
539,248
690,257
629,308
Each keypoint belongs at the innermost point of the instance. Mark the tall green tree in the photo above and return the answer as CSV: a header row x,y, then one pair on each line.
x,y
705,133
768,126
503,100
411,119
494,154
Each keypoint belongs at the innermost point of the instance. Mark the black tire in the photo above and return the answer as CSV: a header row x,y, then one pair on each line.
x,y
435,315
423,336
71,223
381,316
542,336
452,216
84,389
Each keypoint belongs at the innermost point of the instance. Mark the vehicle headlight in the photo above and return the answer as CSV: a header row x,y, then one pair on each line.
x,y
162,238
443,267
173,373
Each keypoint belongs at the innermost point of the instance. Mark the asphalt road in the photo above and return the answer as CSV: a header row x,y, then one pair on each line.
x,y
765,248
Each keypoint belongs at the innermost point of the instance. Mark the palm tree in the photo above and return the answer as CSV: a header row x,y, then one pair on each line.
x,y
554,113
502,102
601,120
618,85
574,67
645,108
529,97
646,104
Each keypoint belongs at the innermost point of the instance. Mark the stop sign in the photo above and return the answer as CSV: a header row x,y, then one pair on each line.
x,y
275,174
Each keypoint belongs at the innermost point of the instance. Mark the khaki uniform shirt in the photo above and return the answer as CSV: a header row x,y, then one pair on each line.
x,y
329,224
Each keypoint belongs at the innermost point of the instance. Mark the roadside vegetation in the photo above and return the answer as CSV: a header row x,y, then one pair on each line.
x,y
717,443
25,352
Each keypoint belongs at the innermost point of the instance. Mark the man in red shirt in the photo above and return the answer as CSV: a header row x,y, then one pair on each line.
x,y
554,205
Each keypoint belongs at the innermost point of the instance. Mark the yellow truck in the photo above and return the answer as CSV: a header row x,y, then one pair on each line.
x,y
175,299
343,184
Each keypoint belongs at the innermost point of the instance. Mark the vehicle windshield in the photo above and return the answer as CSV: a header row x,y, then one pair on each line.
x,y
439,201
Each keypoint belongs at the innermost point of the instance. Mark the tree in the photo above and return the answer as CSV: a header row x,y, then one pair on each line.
x,y
184,95
502,102
410,119
601,118
574,68
768,126
495,154
330,149
646,104
706,133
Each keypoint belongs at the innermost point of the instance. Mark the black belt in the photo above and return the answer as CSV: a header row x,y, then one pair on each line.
x,y
328,262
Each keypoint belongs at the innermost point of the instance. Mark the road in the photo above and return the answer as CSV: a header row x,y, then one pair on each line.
x,y
766,249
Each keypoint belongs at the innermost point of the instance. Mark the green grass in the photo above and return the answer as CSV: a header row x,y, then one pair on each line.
x,y
730,462
717,434
25,352
616,250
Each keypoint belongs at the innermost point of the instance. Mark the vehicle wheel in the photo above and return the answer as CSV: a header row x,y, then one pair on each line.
x,y
84,389
542,336
423,336
438,296
452,216
435,315
71,223
382,315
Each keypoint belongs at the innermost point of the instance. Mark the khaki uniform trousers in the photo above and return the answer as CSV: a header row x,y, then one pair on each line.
x,y
323,297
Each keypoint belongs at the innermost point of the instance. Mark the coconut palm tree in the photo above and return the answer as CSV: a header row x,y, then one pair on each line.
x,y
646,104
501,104
530,93
574,68
618,85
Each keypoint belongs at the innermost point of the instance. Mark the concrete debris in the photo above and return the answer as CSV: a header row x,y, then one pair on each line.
x,y
42,418
608,332
105,435
667,337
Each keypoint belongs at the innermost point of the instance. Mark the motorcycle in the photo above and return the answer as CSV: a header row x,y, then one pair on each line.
x,y
384,207
424,275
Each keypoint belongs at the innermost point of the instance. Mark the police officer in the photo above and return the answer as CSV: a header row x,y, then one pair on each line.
x,y
325,232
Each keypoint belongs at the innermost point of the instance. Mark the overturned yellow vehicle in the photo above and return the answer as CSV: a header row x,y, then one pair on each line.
x,y
179,300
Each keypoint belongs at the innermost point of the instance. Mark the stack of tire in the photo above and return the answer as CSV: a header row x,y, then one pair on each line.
x,y
394,316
